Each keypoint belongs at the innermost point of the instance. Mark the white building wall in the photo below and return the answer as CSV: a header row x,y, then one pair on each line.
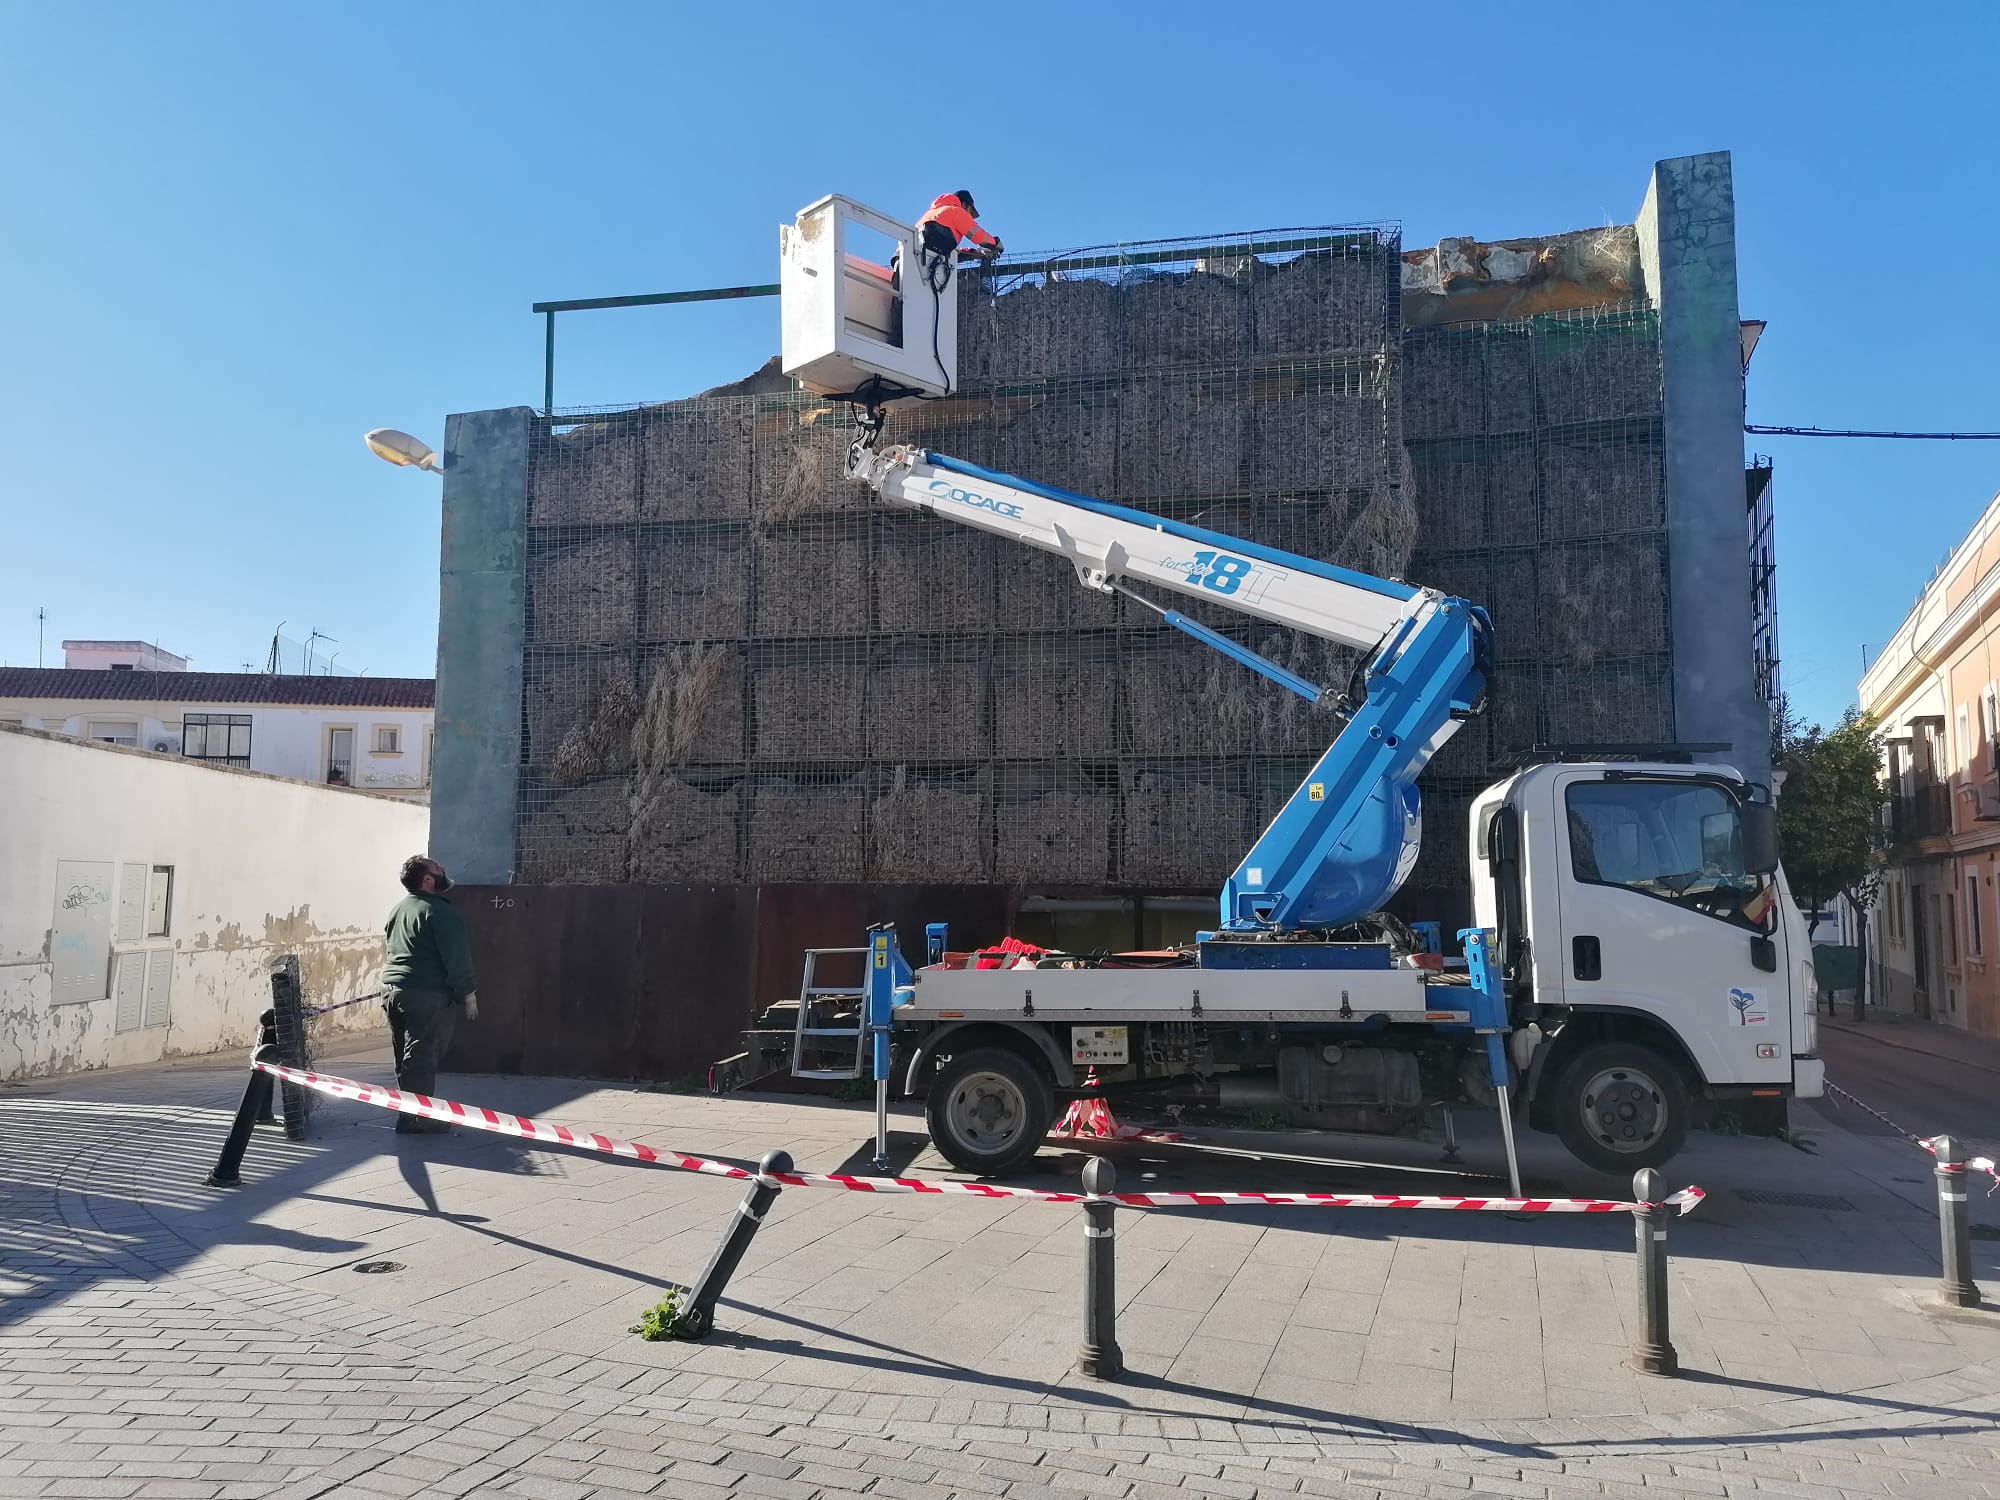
x,y
260,867
106,656
285,739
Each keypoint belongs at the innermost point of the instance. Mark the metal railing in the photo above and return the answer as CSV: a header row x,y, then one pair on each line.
x,y
1924,814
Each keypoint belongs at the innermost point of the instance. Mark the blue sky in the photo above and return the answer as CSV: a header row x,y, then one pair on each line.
x,y
240,235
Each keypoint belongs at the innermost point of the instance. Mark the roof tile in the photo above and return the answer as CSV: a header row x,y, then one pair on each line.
x,y
218,687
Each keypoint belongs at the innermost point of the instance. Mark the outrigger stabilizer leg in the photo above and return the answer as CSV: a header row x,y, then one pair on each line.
x,y
1489,1019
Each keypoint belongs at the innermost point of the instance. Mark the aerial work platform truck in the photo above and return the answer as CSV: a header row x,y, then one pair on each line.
x,y
1635,947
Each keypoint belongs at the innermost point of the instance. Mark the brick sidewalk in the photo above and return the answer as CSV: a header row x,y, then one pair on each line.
x,y
163,1339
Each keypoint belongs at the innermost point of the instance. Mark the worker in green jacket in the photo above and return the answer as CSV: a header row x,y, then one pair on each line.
x,y
426,977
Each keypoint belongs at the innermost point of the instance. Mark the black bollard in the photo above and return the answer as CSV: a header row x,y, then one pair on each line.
x,y
1653,1353
267,1036
1100,1357
288,1013
698,1317
256,1099
1956,1287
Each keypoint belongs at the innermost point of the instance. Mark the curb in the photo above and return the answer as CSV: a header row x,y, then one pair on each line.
x,y
1850,1028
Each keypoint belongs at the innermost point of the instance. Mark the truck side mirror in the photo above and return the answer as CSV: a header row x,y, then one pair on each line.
x,y
1760,838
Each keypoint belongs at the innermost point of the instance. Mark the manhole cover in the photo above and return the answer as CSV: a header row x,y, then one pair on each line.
x,y
377,1267
1828,1201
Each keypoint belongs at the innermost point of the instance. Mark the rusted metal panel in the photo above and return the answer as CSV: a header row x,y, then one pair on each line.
x,y
558,971
657,982
693,995
793,918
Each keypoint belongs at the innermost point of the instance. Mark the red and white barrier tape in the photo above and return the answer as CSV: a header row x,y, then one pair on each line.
x,y
520,1126
1684,1200
1984,1164
477,1118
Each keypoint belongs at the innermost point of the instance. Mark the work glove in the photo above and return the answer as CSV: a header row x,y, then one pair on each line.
x,y
471,1003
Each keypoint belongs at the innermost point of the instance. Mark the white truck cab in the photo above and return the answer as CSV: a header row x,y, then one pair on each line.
x,y
1635,936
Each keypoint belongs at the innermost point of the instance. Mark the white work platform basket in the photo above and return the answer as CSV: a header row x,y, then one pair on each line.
x,y
849,319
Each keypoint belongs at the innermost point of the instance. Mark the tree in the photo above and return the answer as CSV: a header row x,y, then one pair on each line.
x,y
1830,814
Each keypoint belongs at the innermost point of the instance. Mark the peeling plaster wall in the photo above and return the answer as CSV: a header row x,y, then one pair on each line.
x,y
262,866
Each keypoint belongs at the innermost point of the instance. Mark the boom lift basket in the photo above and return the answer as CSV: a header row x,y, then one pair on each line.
x,y
852,326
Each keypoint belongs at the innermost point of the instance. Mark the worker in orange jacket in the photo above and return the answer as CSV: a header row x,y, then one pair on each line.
x,y
952,218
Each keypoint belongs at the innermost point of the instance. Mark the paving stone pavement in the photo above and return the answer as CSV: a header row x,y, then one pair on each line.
x,y
160,1338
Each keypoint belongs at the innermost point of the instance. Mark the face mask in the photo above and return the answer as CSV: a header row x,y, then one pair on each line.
x,y
443,883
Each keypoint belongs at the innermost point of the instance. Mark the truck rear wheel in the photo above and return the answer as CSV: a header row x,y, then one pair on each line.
x,y
989,1110
1619,1107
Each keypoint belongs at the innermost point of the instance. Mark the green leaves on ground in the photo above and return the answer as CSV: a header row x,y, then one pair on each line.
x,y
657,1322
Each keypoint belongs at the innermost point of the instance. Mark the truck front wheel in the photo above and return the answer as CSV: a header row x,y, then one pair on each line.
x,y
1620,1107
989,1110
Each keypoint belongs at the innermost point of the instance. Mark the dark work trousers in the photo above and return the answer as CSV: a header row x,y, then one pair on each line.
x,y
420,1027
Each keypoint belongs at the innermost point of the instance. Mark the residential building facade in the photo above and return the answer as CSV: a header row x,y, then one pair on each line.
x,y
1935,689
371,733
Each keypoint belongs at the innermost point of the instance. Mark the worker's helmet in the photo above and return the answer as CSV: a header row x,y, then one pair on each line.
x,y
965,198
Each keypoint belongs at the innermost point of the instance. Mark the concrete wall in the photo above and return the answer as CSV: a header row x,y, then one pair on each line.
x,y
482,614
285,740
1687,245
260,866
105,656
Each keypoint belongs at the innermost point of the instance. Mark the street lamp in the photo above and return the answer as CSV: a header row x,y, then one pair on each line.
x,y
403,450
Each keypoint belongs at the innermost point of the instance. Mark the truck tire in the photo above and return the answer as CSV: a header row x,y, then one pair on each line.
x,y
1619,1107
989,1110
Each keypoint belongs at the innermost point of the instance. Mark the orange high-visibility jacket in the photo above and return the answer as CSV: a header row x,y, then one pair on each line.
x,y
948,211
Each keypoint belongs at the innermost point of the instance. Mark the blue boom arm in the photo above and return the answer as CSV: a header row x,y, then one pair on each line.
x,y
1347,838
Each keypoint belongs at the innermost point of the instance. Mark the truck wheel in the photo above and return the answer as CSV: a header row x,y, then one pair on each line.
x,y
1620,1107
989,1110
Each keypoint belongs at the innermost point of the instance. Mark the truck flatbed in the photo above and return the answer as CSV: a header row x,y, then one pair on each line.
x,y
1330,997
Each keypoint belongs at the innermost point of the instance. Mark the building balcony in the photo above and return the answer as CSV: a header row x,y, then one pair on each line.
x,y
1924,814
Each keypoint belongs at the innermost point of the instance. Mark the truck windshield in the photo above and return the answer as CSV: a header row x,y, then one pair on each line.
x,y
1679,841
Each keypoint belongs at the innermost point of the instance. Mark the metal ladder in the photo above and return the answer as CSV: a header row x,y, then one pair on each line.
x,y
827,1038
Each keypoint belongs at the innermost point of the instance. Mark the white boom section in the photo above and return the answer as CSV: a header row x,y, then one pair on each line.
x,y
1106,543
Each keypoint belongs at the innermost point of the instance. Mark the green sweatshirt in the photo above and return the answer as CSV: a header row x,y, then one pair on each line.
x,y
428,948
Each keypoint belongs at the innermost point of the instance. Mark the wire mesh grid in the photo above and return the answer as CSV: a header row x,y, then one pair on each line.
x,y
741,668
1536,451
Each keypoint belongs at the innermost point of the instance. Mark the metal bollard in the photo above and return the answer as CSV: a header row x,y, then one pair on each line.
x,y
256,1099
1956,1287
1100,1357
267,1036
698,1317
289,1027
1654,1352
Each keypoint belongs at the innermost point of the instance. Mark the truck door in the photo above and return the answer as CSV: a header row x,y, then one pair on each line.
x,y
1659,916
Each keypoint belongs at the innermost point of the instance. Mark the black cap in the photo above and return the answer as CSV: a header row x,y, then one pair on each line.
x,y
965,197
